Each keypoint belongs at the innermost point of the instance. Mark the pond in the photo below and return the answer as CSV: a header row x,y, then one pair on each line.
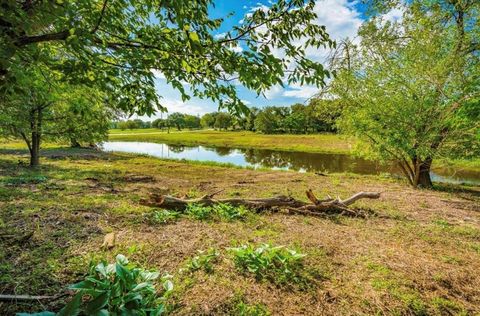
x,y
285,160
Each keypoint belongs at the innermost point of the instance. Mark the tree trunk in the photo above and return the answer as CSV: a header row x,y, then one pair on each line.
x,y
36,132
424,179
35,150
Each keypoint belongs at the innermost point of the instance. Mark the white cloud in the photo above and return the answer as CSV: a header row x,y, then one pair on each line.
x,y
219,36
237,49
301,92
158,74
394,15
174,105
246,102
273,92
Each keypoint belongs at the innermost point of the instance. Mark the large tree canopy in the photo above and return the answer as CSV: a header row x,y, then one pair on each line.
x,y
412,87
117,46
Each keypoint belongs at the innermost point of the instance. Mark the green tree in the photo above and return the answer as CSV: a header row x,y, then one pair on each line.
x,y
159,123
129,124
176,119
115,46
266,121
208,120
41,107
223,120
412,88
192,121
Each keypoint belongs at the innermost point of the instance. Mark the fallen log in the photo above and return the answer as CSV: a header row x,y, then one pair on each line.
x,y
316,207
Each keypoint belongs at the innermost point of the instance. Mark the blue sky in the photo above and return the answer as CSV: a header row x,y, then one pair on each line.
x,y
341,18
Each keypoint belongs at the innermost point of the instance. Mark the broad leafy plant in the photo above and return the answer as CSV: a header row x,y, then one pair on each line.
x,y
117,289
278,265
203,261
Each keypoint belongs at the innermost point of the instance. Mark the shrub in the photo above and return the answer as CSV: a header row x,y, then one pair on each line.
x,y
117,289
204,260
278,265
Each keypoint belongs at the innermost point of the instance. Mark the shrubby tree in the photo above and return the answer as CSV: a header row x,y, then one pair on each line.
x,y
265,122
191,121
176,120
223,120
208,120
129,124
42,108
159,123
411,88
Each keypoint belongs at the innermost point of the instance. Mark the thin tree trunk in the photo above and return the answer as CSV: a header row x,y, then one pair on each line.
x,y
424,179
35,151
36,128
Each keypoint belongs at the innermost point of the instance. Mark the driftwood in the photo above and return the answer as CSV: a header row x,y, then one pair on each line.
x,y
12,297
315,207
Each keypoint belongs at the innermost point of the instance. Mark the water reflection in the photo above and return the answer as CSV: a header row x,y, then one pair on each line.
x,y
300,161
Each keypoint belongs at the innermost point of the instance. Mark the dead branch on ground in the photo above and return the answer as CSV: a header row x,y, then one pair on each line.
x,y
315,207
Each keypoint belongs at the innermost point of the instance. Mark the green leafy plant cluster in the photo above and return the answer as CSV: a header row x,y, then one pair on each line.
x,y
278,265
117,289
225,212
162,217
204,260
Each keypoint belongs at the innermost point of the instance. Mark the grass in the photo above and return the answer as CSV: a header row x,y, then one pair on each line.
x,y
419,251
320,143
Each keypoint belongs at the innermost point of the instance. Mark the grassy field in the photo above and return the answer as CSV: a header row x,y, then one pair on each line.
x,y
418,252
326,143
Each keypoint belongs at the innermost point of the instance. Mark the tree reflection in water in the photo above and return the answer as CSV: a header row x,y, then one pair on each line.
x,y
300,161
312,162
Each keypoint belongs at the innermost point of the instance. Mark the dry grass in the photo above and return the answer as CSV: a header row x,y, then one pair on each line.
x,y
419,253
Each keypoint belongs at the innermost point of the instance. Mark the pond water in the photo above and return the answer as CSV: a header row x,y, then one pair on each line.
x,y
286,160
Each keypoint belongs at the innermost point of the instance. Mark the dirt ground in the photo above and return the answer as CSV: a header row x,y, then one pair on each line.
x,y
418,252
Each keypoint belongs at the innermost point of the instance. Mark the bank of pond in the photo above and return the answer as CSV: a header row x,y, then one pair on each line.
x,y
321,163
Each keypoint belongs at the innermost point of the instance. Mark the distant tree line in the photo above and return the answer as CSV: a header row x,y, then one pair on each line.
x,y
319,115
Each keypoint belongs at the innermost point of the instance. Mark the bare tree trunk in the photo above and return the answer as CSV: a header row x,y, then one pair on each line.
x,y
36,133
424,179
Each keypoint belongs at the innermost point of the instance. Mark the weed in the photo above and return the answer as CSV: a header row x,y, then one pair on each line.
x,y
447,307
203,261
162,217
30,179
279,265
243,309
224,212
199,212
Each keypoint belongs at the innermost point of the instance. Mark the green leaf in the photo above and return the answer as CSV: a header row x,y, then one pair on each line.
x,y
194,37
102,312
121,259
97,303
168,285
122,272
73,307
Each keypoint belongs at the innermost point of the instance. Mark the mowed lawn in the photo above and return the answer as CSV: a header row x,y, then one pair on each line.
x,y
416,253
325,143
